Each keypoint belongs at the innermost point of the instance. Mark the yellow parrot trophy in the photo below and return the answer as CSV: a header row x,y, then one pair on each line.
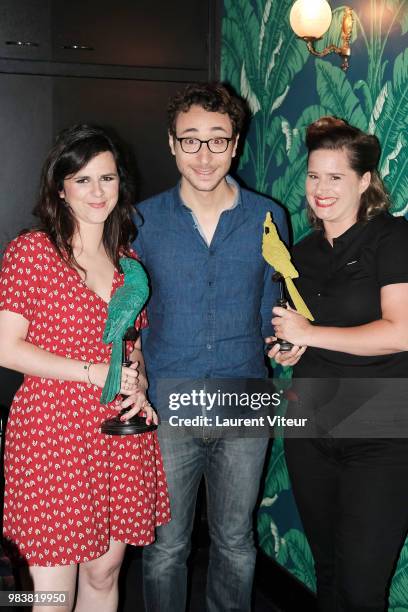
x,y
277,255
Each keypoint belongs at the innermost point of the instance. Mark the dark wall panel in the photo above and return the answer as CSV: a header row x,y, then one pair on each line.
x,y
26,133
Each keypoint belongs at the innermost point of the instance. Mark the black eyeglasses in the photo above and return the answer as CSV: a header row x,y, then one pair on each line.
x,y
193,145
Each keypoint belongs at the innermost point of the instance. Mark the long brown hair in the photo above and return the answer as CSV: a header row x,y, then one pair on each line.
x,y
73,149
363,152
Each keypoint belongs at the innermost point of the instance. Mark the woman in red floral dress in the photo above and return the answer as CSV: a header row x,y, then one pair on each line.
x,y
74,496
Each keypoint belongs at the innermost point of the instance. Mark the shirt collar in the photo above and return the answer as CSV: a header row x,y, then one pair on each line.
x,y
178,202
345,239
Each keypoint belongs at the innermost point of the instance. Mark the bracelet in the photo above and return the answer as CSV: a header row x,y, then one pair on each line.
x,y
87,367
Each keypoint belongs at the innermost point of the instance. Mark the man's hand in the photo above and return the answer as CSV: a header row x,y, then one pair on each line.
x,y
285,358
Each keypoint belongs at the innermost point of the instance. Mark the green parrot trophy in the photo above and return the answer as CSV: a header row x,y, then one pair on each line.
x,y
123,309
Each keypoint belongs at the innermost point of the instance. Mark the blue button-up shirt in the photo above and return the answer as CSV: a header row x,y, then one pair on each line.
x,y
210,305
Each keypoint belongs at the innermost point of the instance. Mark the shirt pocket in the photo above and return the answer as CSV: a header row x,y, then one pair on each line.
x,y
354,270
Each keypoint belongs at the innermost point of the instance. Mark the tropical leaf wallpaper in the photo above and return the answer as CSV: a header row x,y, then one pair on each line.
x,y
286,89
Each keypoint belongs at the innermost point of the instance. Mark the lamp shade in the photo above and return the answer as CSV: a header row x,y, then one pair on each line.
x,y
310,18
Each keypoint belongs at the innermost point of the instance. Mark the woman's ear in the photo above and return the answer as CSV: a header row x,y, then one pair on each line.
x,y
365,182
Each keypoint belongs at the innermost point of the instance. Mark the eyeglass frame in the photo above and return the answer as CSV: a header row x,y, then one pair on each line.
x,y
204,142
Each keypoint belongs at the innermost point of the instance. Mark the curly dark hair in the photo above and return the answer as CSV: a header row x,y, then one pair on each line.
x,y
363,151
213,97
73,149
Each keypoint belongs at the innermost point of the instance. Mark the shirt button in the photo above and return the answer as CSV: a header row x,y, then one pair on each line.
x,y
319,294
210,252
209,346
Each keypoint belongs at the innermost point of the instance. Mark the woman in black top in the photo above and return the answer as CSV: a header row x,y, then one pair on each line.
x,y
349,480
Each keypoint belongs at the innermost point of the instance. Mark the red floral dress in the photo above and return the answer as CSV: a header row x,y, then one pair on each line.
x,y
70,488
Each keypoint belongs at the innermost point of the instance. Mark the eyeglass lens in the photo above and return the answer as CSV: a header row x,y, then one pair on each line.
x,y
215,145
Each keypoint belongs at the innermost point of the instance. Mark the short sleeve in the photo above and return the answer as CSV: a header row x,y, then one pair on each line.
x,y
20,276
392,253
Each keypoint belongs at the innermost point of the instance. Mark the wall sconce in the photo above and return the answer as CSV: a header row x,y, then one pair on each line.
x,y
310,19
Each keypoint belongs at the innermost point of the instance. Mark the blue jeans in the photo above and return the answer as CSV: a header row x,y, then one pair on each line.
x,y
232,469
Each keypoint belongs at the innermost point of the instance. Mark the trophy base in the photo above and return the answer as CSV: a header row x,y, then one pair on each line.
x,y
284,346
135,425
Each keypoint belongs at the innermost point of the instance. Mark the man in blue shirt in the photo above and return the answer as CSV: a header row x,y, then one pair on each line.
x,y
210,308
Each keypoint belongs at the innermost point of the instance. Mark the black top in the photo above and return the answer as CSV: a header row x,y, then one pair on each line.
x,y
341,286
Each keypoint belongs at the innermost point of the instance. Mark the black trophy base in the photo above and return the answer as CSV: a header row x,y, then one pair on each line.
x,y
135,425
284,346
